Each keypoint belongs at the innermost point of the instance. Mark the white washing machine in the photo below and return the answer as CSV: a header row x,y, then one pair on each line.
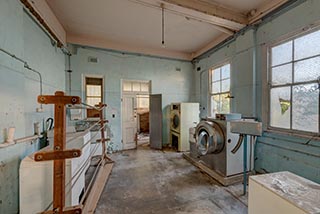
x,y
182,117
214,143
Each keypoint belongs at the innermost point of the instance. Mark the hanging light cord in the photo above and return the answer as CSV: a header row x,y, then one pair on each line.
x,y
162,8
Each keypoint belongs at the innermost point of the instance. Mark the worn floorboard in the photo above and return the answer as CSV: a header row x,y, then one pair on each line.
x,y
148,181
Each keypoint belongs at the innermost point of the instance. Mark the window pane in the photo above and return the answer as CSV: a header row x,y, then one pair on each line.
x,y
282,53
225,85
144,87
135,86
143,101
216,87
306,46
282,74
215,104
225,71
216,74
93,90
280,107
224,104
127,86
305,107
93,101
307,70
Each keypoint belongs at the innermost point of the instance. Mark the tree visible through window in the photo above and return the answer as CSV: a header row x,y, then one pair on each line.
x,y
220,89
294,84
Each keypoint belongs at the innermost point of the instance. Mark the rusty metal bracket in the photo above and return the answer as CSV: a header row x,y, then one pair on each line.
x,y
57,155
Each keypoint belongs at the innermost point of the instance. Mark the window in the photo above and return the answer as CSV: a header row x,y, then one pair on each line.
x,y
94,94
294,84
219,89
142,101
140,89
135,86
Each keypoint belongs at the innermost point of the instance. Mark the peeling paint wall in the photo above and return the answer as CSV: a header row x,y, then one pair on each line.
x,y
19,89
274,152
175,85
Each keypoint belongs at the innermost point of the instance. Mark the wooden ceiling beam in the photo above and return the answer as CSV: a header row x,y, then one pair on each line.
x,y
256,14
208,12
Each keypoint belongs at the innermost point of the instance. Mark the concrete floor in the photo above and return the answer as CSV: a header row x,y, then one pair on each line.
x,y
148,181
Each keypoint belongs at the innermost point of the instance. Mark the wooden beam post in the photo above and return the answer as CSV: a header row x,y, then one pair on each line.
x,y
59,153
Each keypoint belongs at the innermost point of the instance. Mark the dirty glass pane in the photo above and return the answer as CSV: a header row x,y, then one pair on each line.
x,y
93,90
216,74
225,71
281,53
225,85
306,46
224,103
143,101
144,87
305,107
307,70
280,107
93,101
282,74
215,104
135,86
127,86
216,87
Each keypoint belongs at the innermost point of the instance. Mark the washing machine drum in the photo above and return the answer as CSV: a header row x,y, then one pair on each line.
x,y
175,121
210,138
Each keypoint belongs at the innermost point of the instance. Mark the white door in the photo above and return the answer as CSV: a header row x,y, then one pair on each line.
x,y
129,121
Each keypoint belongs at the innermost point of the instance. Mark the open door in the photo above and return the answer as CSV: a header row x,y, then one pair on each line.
x,y
129,121
156,121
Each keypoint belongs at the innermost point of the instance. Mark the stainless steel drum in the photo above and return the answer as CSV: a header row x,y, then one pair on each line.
x,y
210,138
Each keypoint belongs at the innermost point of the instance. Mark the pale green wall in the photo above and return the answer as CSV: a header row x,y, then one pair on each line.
x,y
175,86
19,89
275,152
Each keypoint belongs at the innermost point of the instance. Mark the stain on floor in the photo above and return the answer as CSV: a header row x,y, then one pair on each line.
x,y
150,181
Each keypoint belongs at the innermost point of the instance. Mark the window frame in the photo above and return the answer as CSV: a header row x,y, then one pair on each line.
x,y
88,112
210,94
86,91
283,40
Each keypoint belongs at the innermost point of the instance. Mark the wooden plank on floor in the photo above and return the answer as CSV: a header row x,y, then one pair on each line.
x,y
97,188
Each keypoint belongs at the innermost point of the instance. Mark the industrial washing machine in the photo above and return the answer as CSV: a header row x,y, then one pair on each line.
x,y
211,143
182,117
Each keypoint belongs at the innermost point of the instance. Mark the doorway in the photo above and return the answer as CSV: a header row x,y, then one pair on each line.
x,y
135,113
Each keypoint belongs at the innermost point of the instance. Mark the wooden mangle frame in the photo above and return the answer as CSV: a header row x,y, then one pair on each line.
x,y
60,154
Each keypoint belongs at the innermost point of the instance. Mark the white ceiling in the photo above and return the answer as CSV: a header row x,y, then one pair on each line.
x,y
135,25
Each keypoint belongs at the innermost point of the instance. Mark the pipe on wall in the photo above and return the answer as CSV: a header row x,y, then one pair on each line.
x,y
254,72
25,64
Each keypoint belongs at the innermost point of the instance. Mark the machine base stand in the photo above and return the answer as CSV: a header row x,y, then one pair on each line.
x,y
225,181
